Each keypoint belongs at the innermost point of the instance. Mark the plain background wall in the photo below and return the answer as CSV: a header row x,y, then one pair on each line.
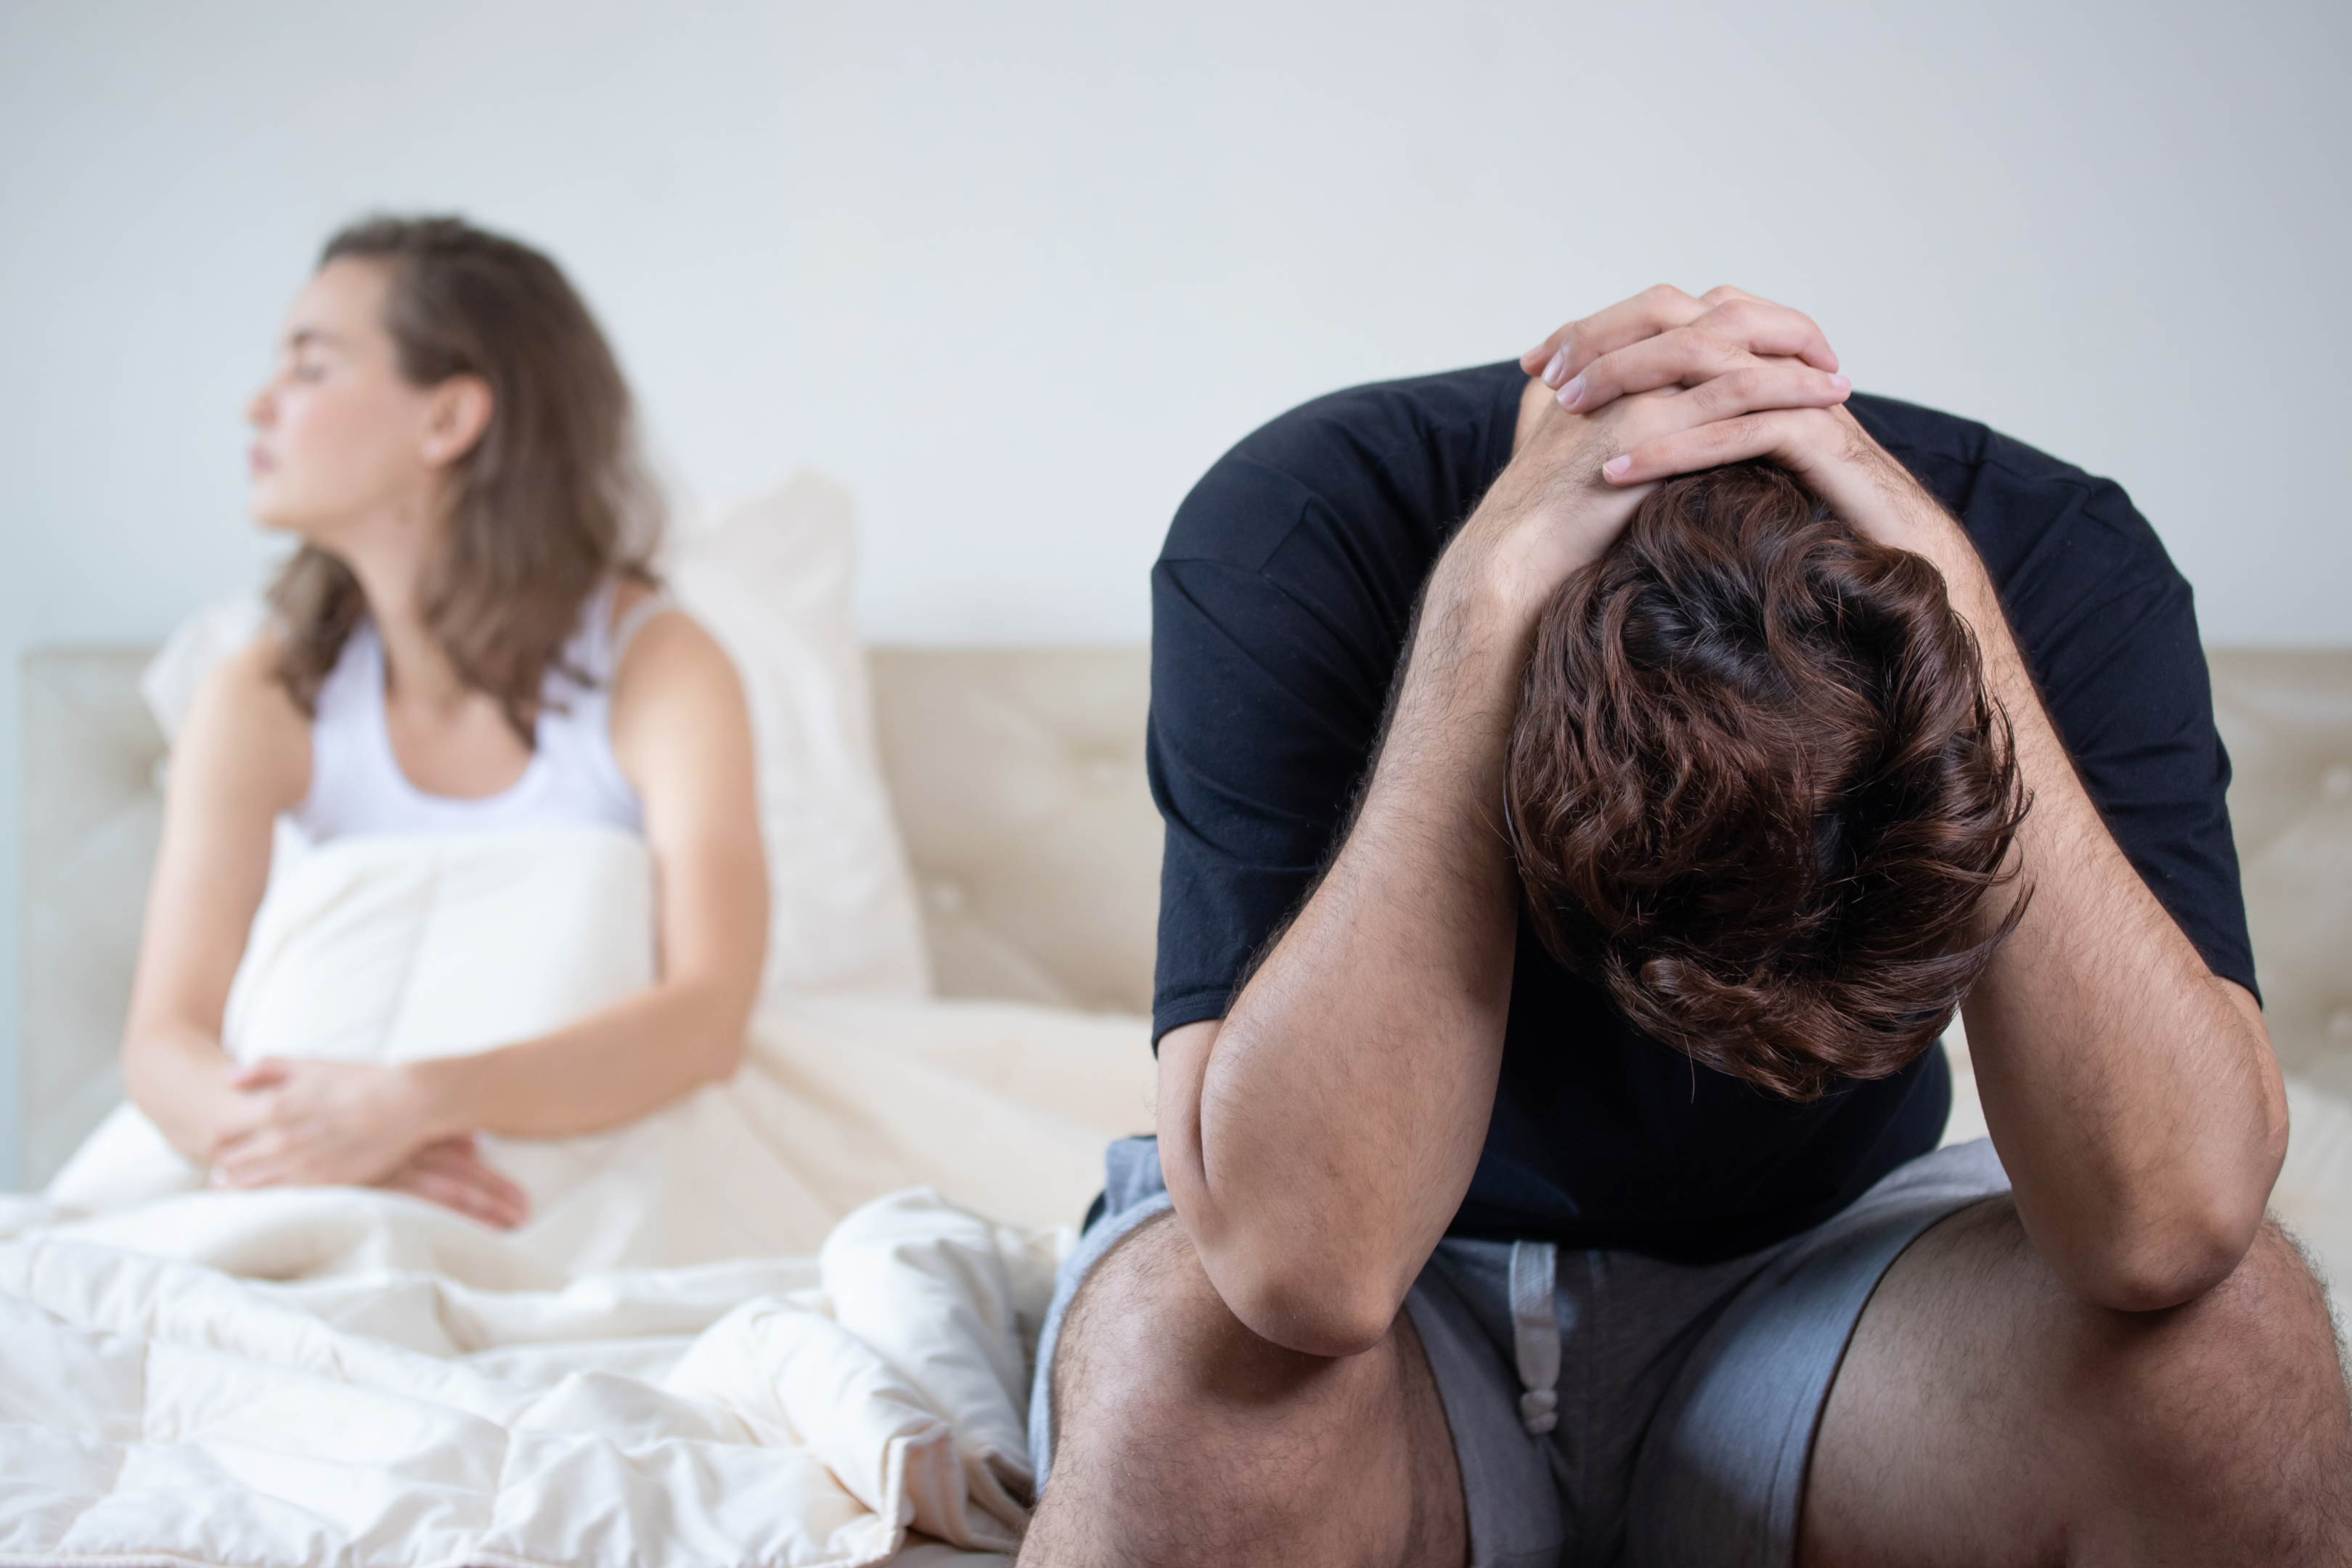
x,y
1016,272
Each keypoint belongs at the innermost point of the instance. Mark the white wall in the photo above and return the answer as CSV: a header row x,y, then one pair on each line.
x,y
1016,272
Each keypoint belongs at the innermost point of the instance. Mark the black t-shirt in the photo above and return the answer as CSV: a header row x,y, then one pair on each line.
x,y
1280,607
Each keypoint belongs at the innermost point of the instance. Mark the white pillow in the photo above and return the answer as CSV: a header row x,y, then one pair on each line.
x,y
209,635
772,582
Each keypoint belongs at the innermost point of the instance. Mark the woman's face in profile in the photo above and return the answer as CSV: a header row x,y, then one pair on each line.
x,y
339,434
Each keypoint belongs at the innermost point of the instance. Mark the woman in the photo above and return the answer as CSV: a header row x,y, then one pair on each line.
x,y
467,638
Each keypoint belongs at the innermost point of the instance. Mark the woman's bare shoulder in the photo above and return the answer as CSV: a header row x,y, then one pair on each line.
x,y
677,702
244,734
668,650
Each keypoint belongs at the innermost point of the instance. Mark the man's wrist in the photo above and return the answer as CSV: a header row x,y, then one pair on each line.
x,y
1501,572
1476,628
1885,502
1939,540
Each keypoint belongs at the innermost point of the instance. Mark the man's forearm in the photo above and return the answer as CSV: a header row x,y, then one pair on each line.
x,y
1340,1110
2131,1093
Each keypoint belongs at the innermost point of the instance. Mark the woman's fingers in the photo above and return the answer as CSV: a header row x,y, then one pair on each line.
x,y
459,1157
493,1204
455,1164
461,1180
241,1148
258,1161
451,1173
242,1122
251,1168
472,1200
271,1157
265,1073
255,1107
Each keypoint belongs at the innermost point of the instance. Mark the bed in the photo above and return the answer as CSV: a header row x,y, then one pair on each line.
x,y
1030,849
950,1030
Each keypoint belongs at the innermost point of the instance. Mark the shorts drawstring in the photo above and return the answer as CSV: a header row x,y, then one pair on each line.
x,y
1535,1332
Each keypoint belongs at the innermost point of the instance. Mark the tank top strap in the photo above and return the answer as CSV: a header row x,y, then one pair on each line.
x,y
632,621
347,730
587,661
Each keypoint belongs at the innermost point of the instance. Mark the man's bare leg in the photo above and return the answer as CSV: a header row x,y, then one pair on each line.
x,y
1985,1415
1181,1437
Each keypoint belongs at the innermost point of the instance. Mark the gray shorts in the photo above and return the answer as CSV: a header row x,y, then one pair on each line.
x,y
1609,1407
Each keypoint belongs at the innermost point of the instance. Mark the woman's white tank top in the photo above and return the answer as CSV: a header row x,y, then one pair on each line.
x,y
573,779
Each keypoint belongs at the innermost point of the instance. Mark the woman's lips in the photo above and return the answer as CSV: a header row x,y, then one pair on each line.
x,y
259,461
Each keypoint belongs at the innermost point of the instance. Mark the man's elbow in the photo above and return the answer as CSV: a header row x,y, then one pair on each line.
x,y
1317,1305
1290,1274
2169,1262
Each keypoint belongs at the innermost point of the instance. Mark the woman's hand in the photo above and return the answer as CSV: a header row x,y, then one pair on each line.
x,y
453,1175
318,1124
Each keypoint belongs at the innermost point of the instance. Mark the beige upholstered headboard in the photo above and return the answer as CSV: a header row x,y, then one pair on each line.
x,y
2286,717
92,806
1017,776
1018,780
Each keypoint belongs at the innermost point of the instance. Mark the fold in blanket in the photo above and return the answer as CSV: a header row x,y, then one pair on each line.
x,y
791,1412
716,1341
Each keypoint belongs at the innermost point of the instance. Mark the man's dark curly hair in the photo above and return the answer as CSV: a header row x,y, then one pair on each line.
x,y
1758,788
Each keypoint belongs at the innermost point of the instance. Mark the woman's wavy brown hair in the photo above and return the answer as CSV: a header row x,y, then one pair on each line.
x,y
1758,788
550,501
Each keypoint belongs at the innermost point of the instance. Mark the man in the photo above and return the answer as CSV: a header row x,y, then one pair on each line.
x,y
1438,1259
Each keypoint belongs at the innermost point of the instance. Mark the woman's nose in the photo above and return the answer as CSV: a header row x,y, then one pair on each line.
x,y
261,410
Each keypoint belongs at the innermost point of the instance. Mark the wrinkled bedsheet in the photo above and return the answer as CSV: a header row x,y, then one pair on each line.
x,y
784,1411
787,1321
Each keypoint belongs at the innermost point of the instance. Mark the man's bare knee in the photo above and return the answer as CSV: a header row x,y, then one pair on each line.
x,y
2214,1431
2241,1393
2231,1409
1180,1435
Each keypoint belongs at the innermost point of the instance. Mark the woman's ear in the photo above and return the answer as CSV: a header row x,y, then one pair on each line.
x,y
459,412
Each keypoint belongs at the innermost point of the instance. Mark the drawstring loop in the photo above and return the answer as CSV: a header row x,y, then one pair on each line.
x,y
1535,1332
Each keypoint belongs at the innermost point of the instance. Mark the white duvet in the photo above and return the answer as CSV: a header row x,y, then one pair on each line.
x,y
786,1321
